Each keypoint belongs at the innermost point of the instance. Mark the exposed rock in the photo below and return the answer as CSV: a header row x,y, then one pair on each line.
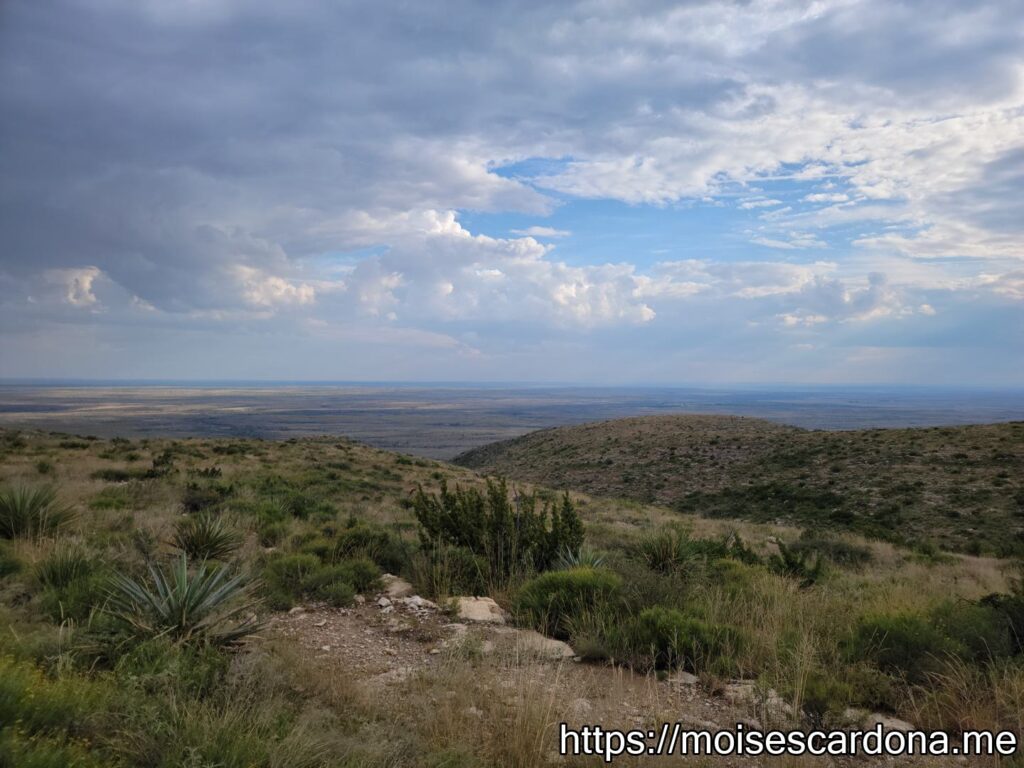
x,y
395,586
359,599
418,603
383,602
544,647
482,609
684,678
748,693
887,722
295,610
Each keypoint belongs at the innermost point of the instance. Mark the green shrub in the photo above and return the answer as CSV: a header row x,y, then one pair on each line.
x,y
836,551
207,605
664,638
271,534
512,536
64,564
117,475
206,537
9,564
72,584
905,645
289,577
797,564
77,600
361,539
31,512
824,698
62,708
444,570
159,665
199,498
671,550
550,601
978,629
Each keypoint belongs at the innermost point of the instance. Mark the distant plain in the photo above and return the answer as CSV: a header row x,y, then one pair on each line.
x,y
442,420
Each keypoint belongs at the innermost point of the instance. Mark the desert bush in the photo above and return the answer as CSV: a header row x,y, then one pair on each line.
x,y
978,630
824,698
9,563
549,601
271,534
443,570
118,475
797,565
290,577
65,563
207,605
361,539
837,551
909,646
31,512
43,720
206,537
199,498
360,573
285,577
664,638
672,550
512,535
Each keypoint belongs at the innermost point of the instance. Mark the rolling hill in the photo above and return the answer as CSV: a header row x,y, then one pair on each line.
x,y
961,488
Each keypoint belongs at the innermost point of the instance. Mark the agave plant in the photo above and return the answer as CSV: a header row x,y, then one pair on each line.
x,y
206,537
206,605
584,557
31,512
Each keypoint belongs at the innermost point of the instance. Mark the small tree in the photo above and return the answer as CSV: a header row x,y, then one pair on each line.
x,y
509,533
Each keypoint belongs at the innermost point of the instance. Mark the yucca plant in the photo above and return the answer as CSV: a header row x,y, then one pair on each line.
x,y
207,605
31,512
206,537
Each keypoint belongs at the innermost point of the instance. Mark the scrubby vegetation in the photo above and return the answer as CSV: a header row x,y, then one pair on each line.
x,y
958,488
138,613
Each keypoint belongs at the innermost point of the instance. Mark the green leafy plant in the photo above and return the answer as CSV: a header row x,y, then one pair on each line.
x,y
205,605
797,564
671,550
550,601
31,512
65,564
580,558
664,638
206,537
513,534
904,645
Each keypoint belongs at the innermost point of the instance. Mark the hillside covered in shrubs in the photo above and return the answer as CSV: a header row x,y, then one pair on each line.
x,y
956,488
142,582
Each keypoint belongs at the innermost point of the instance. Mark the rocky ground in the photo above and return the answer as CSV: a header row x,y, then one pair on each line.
x,y
396,644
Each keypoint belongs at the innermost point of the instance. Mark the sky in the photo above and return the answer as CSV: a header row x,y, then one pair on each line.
x,y
601,191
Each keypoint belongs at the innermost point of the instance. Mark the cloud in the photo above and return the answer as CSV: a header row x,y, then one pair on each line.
x,y
542,232
265,290
76,285
826,197
302,167
795,240
759,203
